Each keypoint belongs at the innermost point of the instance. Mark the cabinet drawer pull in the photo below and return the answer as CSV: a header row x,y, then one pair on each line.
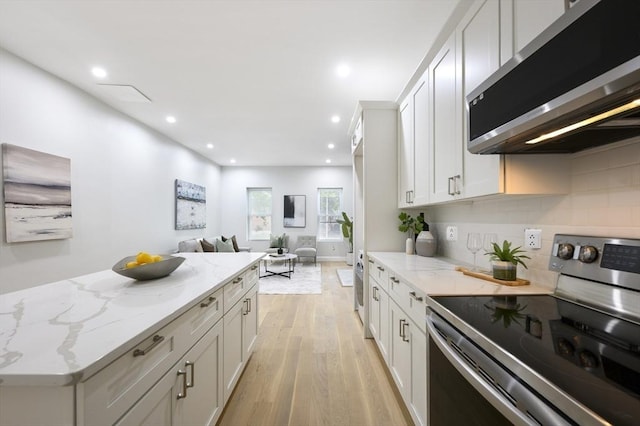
x,y
401,329
370,260
395,280
209,301
254,267
246,302
183,394
156,341
192,367
381,268
416,297
404,332
237,280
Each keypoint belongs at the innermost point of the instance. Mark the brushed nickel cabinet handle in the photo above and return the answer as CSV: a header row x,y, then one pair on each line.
x,y
208,303
183,394
401,329
254,267
155,342
415,296
404,333
192,367
370,260
381,268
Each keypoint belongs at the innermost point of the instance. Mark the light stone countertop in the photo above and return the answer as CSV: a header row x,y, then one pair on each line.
x,y
61,333
435,276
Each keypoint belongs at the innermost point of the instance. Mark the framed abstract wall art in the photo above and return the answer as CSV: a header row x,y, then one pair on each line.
x,y
191,205
295,215
37,195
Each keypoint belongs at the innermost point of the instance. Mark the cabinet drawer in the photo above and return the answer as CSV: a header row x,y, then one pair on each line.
x,y
412,302
251,275
199,319
234,290
379,273
111,392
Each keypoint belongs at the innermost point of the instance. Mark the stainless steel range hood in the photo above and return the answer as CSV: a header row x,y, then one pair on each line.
x,y
576,86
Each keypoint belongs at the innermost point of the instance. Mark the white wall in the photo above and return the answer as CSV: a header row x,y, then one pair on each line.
x,y
283,181
122,178
604,201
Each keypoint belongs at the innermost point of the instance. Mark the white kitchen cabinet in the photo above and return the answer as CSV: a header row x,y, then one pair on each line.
x,y
375,179
379,316
240,331
190,393
413,146
523,20
446,154
408,361
470,55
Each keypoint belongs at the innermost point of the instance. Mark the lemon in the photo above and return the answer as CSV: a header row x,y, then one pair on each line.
x,y
144,257
132,264
156,258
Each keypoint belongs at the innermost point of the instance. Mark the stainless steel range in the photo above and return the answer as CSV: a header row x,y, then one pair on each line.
x,y
569,358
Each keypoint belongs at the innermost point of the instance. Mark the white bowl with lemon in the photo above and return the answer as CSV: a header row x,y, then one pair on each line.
x,y
145,266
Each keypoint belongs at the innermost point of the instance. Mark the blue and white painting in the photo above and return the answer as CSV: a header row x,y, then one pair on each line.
x,y
191,205
37,195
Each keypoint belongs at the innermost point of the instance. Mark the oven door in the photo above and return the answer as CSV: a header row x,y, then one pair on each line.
x,y
467,386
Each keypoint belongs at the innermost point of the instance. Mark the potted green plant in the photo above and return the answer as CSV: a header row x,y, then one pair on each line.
x,y
412,227
280,244
505,260
346,225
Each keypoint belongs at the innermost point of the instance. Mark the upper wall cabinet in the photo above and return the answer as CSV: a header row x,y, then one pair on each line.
x,y
413,147
473,51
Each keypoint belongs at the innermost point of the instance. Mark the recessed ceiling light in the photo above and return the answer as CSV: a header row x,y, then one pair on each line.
x,y
171,119
331,146
335,119
232,161
99,72
343,70
210,145
328,161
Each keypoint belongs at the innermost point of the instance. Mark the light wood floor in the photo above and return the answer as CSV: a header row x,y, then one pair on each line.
x,y
312,366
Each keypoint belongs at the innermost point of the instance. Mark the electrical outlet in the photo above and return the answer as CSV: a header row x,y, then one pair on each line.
x,y
452,233
533,238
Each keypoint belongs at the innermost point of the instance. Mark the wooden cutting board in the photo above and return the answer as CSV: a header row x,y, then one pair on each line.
x,y
485,276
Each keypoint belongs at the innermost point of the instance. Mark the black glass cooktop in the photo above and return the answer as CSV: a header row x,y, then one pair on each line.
x,y
593,357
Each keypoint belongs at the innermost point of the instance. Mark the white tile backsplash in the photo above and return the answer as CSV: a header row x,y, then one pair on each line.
x,y
604,201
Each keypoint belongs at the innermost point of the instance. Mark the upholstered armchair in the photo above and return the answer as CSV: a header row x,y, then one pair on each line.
x,y
307,247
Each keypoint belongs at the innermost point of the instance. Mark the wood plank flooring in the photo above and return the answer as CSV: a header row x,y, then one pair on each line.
x,y
312,366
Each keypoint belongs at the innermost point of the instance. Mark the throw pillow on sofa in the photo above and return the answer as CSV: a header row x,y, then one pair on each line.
x,y
207,246
234,242
224,247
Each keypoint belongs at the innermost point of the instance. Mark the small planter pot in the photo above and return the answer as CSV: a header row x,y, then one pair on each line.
x,y
505,271
280,251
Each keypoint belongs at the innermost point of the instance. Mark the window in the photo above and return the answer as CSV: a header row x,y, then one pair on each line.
x,y
329,209
259,213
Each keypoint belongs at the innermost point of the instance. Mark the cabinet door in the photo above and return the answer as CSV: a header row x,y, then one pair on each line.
x,y
422,158
203,365
444,121
250,323
233,339
383,332
478,38
405,154
418,343
374,309
400,351
156,407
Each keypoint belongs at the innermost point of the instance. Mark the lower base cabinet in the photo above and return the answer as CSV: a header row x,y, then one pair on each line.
x,y
189,394
393,321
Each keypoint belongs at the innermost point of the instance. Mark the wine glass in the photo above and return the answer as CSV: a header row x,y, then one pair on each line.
x,y
488,242
474,243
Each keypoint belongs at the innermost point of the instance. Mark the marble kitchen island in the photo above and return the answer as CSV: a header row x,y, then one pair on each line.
x,y
60,340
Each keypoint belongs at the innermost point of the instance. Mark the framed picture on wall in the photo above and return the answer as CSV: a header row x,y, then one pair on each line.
x,y
37,195
295,214
191,205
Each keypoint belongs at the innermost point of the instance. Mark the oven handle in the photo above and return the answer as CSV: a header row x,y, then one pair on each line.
x,y
482,384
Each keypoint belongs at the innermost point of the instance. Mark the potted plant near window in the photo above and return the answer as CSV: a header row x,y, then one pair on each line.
x,y
280,244
347,232
505,260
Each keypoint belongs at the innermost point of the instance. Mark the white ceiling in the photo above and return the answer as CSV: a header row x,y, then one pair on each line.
x,y
254,78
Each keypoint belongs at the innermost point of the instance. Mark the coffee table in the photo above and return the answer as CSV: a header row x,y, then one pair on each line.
x,y
288,259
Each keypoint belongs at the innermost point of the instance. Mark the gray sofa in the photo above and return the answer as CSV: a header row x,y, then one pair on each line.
x,y
210,245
